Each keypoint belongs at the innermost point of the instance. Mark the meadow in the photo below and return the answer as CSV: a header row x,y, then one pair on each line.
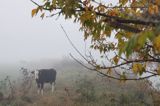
x,y
76,86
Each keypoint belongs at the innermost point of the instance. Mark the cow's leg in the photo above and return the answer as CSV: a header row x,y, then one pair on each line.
x,y
39,88
53,86
42,88
38,91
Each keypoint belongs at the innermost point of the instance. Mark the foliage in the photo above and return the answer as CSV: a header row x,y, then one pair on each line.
x,y
134,24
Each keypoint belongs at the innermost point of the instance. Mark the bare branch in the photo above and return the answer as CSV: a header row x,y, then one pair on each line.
x,y
131,61
75,47
109,76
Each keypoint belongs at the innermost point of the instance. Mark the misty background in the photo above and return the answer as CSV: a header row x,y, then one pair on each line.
x,y
27,41
35,43
27,38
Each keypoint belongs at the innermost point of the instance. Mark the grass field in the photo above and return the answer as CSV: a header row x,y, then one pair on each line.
x,y
76,86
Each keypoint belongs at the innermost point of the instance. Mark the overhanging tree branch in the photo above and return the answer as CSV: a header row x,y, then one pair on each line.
x,y
116,18
132,61
112,77
98,22
94,66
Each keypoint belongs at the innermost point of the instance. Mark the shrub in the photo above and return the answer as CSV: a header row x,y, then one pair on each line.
x,y
86,89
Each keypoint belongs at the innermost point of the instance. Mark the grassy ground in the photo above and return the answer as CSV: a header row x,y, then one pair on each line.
x,y
77,87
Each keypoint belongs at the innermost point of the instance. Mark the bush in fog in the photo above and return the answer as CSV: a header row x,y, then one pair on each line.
x,y
86,90
1,96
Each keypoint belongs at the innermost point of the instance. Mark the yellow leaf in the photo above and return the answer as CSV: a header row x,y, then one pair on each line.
x,y
109,71
156,43
123,1
116,59
34,12
137,67
134,68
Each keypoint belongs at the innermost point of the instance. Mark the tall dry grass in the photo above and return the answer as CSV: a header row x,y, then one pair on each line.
x,y
77,88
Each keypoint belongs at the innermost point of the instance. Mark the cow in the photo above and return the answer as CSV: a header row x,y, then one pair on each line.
x,y
43,76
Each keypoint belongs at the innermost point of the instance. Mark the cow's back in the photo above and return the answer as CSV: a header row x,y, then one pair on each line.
x,y
47,75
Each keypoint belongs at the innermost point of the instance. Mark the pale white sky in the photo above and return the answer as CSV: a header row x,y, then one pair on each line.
x,y
26,38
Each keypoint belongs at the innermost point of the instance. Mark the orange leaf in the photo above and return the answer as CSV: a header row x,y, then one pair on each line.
x,y
157,2
34,12
153,9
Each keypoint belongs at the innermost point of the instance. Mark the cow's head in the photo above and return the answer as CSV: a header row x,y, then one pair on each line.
x,y
35,73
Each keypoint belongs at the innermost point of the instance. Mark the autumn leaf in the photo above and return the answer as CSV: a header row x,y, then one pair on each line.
x,y
54,3
135,68
34,12
157,2
153,9
123,2
138,68
113,12
156,9
109,71
156,43
142,38
116,59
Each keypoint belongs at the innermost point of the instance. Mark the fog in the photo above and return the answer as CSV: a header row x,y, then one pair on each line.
x,y
27,38
32,42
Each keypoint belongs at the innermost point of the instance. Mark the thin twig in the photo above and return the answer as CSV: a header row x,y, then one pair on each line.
x,y
75,46
113,77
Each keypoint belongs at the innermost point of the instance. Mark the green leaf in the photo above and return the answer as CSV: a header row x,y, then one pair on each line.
x,y
42,16
54,3
130,45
